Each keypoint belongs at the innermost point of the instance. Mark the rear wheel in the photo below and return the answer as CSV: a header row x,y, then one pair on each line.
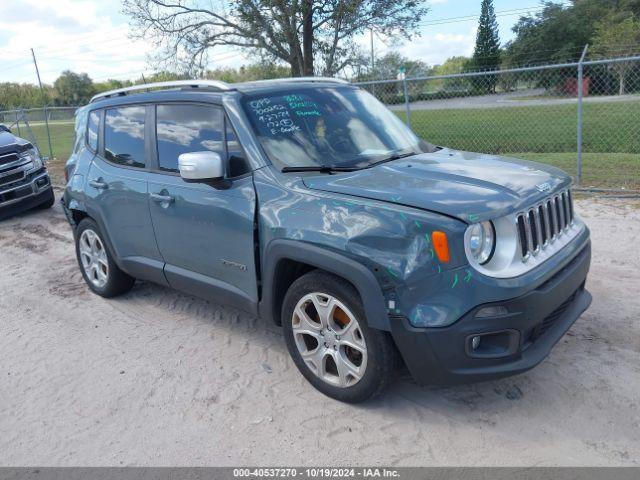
x,y
330,342
96,262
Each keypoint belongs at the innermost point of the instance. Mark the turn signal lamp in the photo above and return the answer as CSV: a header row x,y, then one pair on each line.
x,y
441,246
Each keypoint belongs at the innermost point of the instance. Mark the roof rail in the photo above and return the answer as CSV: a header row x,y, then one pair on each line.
x,y
212,84
300,79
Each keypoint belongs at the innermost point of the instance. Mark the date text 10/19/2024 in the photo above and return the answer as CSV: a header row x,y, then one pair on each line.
x,y
316,473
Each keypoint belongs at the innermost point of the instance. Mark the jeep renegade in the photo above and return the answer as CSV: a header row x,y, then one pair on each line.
x,y
308,203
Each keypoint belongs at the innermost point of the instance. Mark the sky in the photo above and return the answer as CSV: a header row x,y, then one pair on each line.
x,y
92,36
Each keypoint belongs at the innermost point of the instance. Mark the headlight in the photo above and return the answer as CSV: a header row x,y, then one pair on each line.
x,y
34,157
481,240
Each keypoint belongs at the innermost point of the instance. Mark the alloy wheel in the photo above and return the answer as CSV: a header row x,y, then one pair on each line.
x,y
93,256
329,339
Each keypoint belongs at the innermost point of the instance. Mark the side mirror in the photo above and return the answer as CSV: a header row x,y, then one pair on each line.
x,y
201,166
4,128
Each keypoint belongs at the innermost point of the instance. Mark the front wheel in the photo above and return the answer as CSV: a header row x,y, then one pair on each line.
x,y
330,342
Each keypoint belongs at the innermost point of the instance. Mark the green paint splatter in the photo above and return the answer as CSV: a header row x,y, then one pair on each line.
x,y
439,269
403,216
417,224
455,281
392,273
427,239
467,278
433,254
473,217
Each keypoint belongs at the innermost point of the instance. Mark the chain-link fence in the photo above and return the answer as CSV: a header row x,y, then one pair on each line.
x,y
50,128
582,117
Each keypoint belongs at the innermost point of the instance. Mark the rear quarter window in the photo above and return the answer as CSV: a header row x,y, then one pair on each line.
x,y
80,129
93,126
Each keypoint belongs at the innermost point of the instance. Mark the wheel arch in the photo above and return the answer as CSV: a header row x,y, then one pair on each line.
x,y
286,260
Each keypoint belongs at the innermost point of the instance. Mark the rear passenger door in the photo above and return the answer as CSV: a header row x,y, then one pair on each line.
x,y
205,232
117,190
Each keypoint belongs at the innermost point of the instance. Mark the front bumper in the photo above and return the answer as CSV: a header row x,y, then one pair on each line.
x,y
35,189
516,341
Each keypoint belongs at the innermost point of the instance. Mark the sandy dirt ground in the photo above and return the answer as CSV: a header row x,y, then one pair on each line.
x,y
160,378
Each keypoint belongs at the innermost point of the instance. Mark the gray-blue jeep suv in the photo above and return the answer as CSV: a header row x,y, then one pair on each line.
x,y
307,202
24,181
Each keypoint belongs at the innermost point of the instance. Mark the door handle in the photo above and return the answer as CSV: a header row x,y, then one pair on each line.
x,y
99,184
156,197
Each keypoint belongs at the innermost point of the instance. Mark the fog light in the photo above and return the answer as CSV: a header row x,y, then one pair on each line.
x,y
493,311
475,342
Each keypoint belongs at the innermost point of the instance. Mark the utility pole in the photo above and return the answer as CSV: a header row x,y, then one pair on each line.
x,y
44,104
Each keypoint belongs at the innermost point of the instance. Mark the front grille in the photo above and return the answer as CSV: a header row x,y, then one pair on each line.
x,y
15,194
11,178
542,223
9,158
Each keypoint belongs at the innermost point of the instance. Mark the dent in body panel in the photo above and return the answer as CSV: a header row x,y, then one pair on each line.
x,y
392,241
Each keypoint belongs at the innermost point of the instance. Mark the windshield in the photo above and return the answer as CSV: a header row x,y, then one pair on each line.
x,y
330,127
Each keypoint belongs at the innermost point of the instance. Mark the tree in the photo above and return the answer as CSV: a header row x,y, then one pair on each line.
x,y
297,32
452,66
558,34
486,55
388,66
24,95
611,33
262,70
73,88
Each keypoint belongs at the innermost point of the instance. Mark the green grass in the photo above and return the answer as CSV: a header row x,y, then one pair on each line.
x,y
541,133
608,127
548,134
62,138
600,170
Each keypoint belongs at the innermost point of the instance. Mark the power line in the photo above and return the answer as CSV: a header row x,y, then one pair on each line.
x,y
500,13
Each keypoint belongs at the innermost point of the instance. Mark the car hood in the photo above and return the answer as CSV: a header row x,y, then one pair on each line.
x,y
468,186
9,142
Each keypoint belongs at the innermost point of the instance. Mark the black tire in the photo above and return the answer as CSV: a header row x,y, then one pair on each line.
x,y
381,351
48,203
118,282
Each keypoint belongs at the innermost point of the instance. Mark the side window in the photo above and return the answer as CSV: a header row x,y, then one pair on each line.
x,y
92,130
124,136
187,128
235,155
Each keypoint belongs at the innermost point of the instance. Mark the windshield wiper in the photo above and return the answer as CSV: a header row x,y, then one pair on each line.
x,y
330,169
391,158
318,168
